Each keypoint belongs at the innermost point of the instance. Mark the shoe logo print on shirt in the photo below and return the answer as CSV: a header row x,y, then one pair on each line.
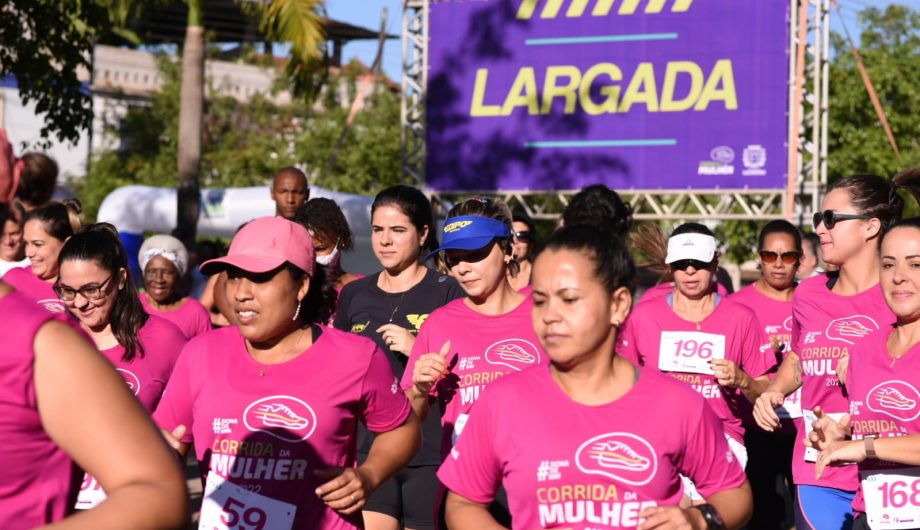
x,y
787,324
896,399
52,305
516,354
851,329
620,456
284,417
133,382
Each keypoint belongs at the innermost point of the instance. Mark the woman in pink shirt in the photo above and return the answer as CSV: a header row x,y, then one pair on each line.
x,y
60,400
163,262
770,297
46,230
467,344
883,387
590,441
272,403
711,343
831,314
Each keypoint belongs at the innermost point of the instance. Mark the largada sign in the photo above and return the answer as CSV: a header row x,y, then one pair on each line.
x,y
644,94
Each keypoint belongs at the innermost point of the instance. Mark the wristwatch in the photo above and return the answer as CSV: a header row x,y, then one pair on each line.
x,y
869,441
711,516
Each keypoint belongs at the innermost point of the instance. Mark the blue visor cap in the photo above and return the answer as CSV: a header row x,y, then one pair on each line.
x,y
470,232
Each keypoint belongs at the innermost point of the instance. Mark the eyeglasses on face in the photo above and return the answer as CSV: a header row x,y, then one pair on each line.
x,y
684,264
830,218
768,256
91,291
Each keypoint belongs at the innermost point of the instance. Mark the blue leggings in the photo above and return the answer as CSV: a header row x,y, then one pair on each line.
x,y
820,508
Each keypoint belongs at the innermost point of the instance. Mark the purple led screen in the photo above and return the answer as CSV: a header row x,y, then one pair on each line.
x,y
643,94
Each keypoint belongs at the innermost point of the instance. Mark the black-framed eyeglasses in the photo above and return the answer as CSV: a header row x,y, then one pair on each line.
x,y
830,218
684,264
523,235
92,291
768,256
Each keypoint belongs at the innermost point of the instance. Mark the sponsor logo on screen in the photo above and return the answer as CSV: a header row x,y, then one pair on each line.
x,y
754,158
719,163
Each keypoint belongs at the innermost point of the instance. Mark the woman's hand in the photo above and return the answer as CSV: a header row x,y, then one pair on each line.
x,y
727,373
346,490
431,368
397,338
826,431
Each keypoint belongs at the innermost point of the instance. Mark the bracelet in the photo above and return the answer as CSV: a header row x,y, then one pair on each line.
x,y
869,443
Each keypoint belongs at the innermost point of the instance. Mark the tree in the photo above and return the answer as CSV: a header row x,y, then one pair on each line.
x,y
45,45
244,143
890,46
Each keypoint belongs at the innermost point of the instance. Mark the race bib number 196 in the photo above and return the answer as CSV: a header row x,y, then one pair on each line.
x,y
689,351
892,498
227,506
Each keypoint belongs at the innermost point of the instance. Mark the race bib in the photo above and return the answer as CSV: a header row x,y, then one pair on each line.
x,y
91,493
458,428
792,406
892,498
227,506
689,351
811,454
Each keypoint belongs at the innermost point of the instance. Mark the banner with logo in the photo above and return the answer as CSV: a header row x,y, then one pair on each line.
x,y
645,94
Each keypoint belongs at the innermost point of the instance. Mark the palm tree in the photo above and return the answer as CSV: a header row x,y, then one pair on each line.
x,y
295,21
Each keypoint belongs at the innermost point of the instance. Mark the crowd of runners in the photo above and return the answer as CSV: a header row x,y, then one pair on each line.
x,y
481,379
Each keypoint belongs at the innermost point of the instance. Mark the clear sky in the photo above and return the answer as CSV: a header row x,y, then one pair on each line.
x,y
366,13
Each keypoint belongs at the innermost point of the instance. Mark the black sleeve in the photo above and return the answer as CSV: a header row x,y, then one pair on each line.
x,y
453,290
341,313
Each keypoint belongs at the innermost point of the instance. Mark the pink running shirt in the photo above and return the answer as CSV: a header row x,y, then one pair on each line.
x,y
191,317
826,326
776,318
36,488
147,376
884,397
570,465
35,288
483,349
653,330
269,433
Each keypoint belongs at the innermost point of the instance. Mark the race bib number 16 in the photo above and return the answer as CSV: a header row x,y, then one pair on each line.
x,y
689,351
227,506
892,498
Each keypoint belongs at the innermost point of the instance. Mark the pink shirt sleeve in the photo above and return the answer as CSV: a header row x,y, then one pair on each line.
x,y
175,407
627,346
757,350
707,460
473,469
385,406
202,320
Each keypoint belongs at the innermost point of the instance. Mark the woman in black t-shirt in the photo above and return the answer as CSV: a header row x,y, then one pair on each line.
x,y
389,308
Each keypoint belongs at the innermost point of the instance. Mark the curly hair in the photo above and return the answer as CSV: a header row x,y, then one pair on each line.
x,y
600,207
324,217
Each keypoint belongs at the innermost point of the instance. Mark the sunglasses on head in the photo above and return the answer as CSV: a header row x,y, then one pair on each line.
x,y
684,264
768,256
830,218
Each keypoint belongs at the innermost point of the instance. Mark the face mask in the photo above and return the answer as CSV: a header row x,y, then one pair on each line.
x,y
329,259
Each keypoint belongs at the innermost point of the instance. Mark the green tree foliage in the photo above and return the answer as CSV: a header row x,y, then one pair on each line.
x,y
890,47
45,44
245,143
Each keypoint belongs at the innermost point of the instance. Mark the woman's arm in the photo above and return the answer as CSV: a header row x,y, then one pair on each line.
x,y
87,409
734,506
788,380
899,449
348,489
462,513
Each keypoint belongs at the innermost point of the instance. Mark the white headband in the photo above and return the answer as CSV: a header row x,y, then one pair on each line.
x,y
166,253
700,247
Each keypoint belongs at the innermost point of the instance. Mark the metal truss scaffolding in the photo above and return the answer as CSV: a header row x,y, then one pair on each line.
x,y
807,141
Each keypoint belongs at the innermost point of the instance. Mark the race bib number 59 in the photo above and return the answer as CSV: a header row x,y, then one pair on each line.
x,y
227,506
689,351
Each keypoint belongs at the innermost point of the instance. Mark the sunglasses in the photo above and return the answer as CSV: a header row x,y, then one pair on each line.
x,y
830,218
453,257
684,264
524,235
768,256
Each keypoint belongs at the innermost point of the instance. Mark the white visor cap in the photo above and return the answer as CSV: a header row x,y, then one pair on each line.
x,y
691,246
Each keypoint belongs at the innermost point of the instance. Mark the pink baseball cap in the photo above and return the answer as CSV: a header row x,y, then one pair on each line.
x,y
264,244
